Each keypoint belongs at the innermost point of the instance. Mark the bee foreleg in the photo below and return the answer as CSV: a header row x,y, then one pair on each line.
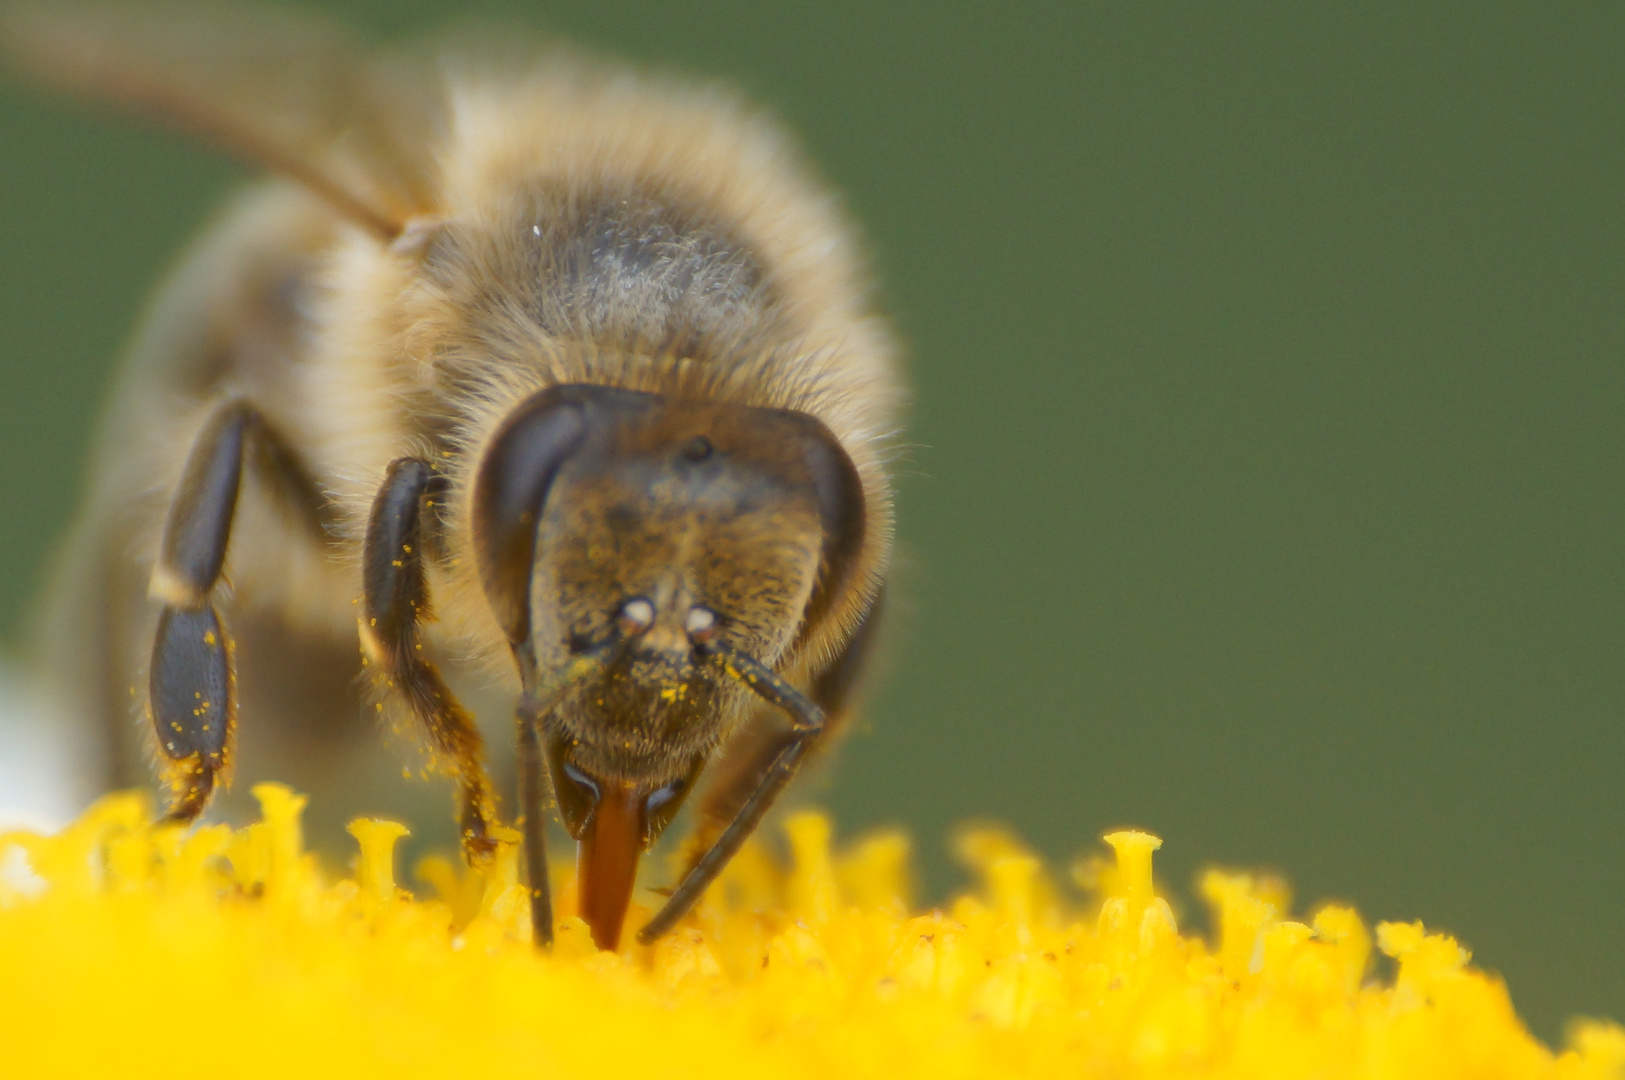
x,y
396,604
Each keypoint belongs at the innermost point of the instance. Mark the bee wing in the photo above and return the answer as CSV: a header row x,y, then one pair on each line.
x,y
289,92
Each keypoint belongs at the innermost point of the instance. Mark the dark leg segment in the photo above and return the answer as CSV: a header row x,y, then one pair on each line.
x,y
190,692
193,698
395,604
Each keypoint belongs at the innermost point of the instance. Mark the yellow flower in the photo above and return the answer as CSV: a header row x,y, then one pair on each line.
x,y
129,950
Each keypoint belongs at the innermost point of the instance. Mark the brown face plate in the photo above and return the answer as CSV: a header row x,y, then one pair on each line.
x,y
597,504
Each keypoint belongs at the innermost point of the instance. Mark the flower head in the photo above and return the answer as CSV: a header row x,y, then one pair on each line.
x,y
128,949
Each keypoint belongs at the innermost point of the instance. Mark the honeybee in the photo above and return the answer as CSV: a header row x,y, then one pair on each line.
x,y
546,368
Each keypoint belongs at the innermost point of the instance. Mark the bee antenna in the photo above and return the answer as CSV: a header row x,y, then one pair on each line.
x,y
803,711
808,722
533,709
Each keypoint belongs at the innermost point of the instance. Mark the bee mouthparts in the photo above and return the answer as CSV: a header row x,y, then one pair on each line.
x,y
607,861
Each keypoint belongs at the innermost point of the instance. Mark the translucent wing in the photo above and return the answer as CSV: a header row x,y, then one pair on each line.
x,y
290,92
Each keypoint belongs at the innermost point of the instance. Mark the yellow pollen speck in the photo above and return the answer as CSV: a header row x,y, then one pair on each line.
x,y
116,929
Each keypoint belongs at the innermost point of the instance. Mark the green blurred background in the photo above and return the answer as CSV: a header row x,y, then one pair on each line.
x,y
1266,469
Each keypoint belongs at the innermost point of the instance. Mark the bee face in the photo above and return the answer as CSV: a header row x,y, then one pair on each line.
x,y
666,533
714,538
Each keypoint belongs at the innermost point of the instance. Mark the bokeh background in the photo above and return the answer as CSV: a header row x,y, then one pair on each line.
x,y
1265,481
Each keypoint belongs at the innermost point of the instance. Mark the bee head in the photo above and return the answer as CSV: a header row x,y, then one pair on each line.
x,y
629,544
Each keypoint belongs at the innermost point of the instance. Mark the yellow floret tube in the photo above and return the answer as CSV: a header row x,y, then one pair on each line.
x,y
134,950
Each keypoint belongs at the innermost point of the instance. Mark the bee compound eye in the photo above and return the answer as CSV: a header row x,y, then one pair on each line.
x,y
698,448
635,616
701,624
